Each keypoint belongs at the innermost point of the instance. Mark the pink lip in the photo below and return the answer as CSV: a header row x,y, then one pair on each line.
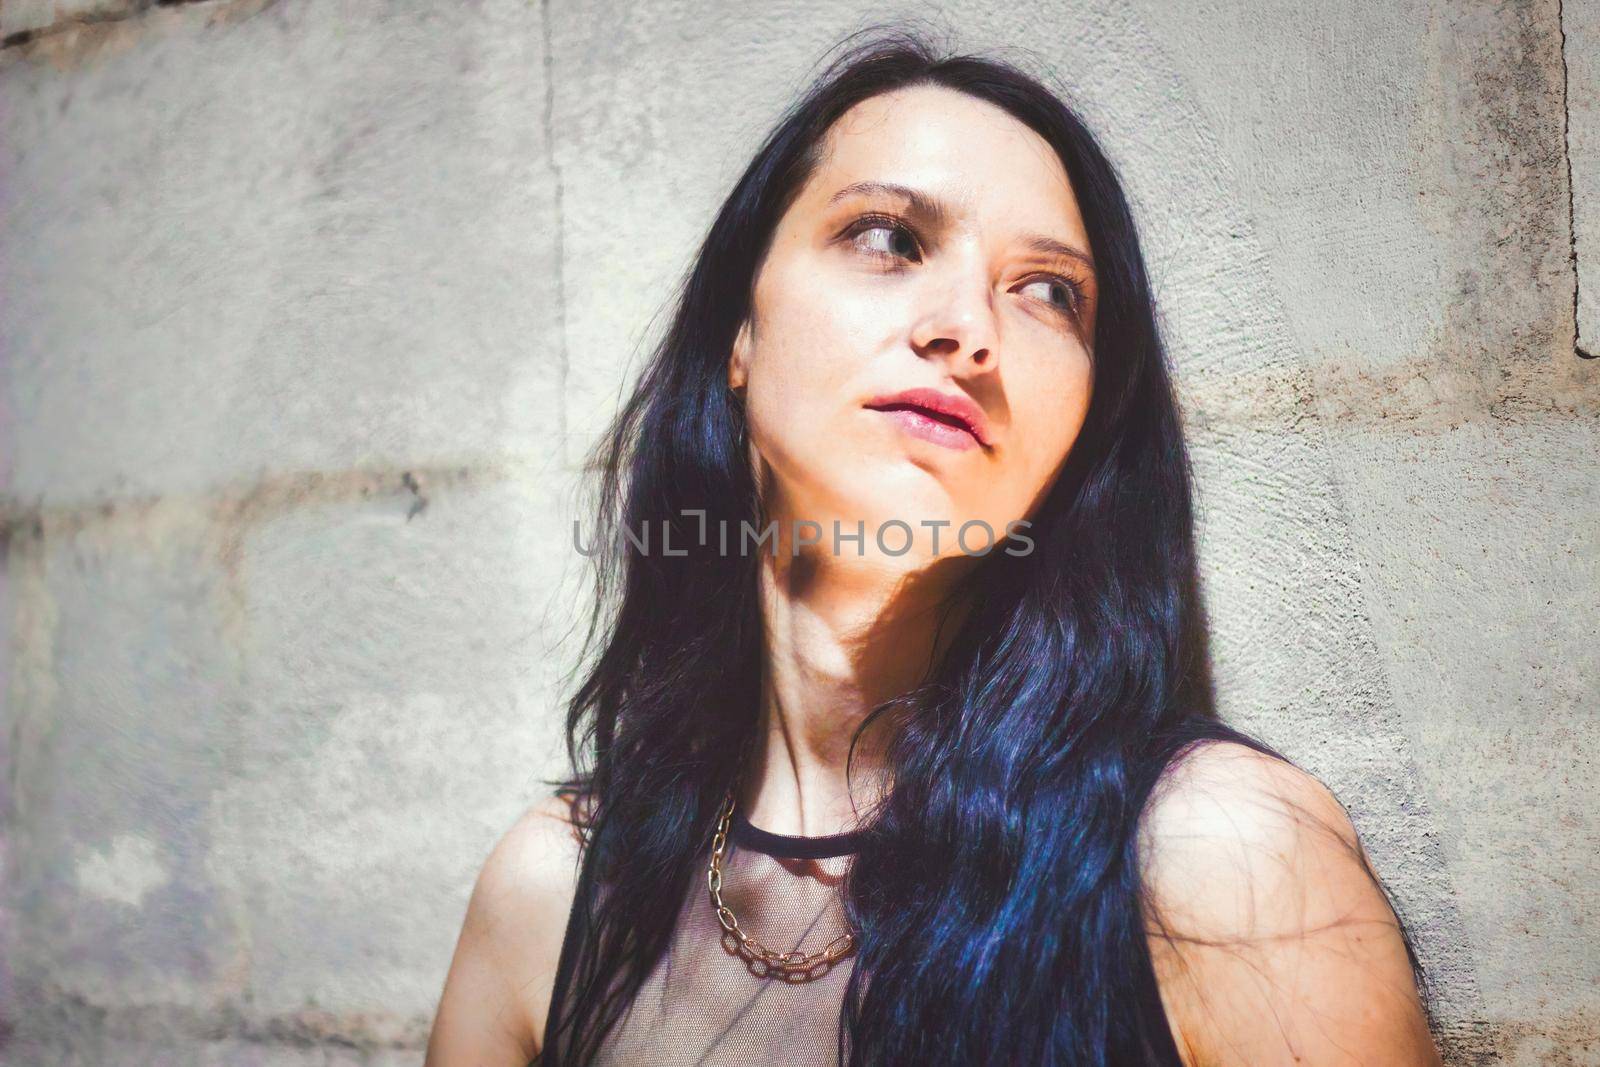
x,y
948,419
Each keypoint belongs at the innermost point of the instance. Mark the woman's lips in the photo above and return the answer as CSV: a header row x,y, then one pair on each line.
x,y
920,423
951,419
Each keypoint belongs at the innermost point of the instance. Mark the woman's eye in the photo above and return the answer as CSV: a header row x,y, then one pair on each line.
x,y
1058,292
891,239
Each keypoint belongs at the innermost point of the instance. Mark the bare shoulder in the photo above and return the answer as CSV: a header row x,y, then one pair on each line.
x,y
1271,938
1237,844
1221,794
533,867
498,989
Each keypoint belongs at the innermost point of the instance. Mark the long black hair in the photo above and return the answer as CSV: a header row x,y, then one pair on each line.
x,y
996,897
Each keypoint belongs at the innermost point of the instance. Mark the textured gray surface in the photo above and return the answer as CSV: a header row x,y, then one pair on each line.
x,y
1581,22
311,309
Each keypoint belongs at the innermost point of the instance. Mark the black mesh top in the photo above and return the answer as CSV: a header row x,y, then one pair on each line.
x,y
707,1005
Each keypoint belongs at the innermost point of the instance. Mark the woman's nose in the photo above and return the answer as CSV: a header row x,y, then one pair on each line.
x,y
959,320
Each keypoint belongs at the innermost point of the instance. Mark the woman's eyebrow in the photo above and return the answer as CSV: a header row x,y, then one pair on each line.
x,y
929,209
1049,246
935,212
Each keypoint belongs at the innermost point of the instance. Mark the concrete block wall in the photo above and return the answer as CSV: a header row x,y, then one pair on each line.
x,y
309,310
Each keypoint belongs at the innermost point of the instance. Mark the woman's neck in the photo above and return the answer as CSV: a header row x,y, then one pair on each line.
x,y
842,635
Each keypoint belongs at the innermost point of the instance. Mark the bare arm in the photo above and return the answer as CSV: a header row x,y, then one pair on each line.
x,y
491,1013
1271,943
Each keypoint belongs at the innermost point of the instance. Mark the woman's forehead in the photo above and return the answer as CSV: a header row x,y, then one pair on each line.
x,y
967,154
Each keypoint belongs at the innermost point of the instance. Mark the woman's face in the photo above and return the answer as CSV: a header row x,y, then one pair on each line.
x,y
937,247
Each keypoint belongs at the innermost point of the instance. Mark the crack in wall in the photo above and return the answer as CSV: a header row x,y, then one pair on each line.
x,y
409,480
559,186
245,504
91,20
1572,208
55,1011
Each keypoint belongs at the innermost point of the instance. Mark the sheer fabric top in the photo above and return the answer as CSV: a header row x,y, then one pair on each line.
x,y
708,1005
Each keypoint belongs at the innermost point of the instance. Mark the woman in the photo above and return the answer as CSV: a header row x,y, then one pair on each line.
x,y
866,792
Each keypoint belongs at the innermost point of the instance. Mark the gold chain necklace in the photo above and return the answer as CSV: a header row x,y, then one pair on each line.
x,y
789,962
